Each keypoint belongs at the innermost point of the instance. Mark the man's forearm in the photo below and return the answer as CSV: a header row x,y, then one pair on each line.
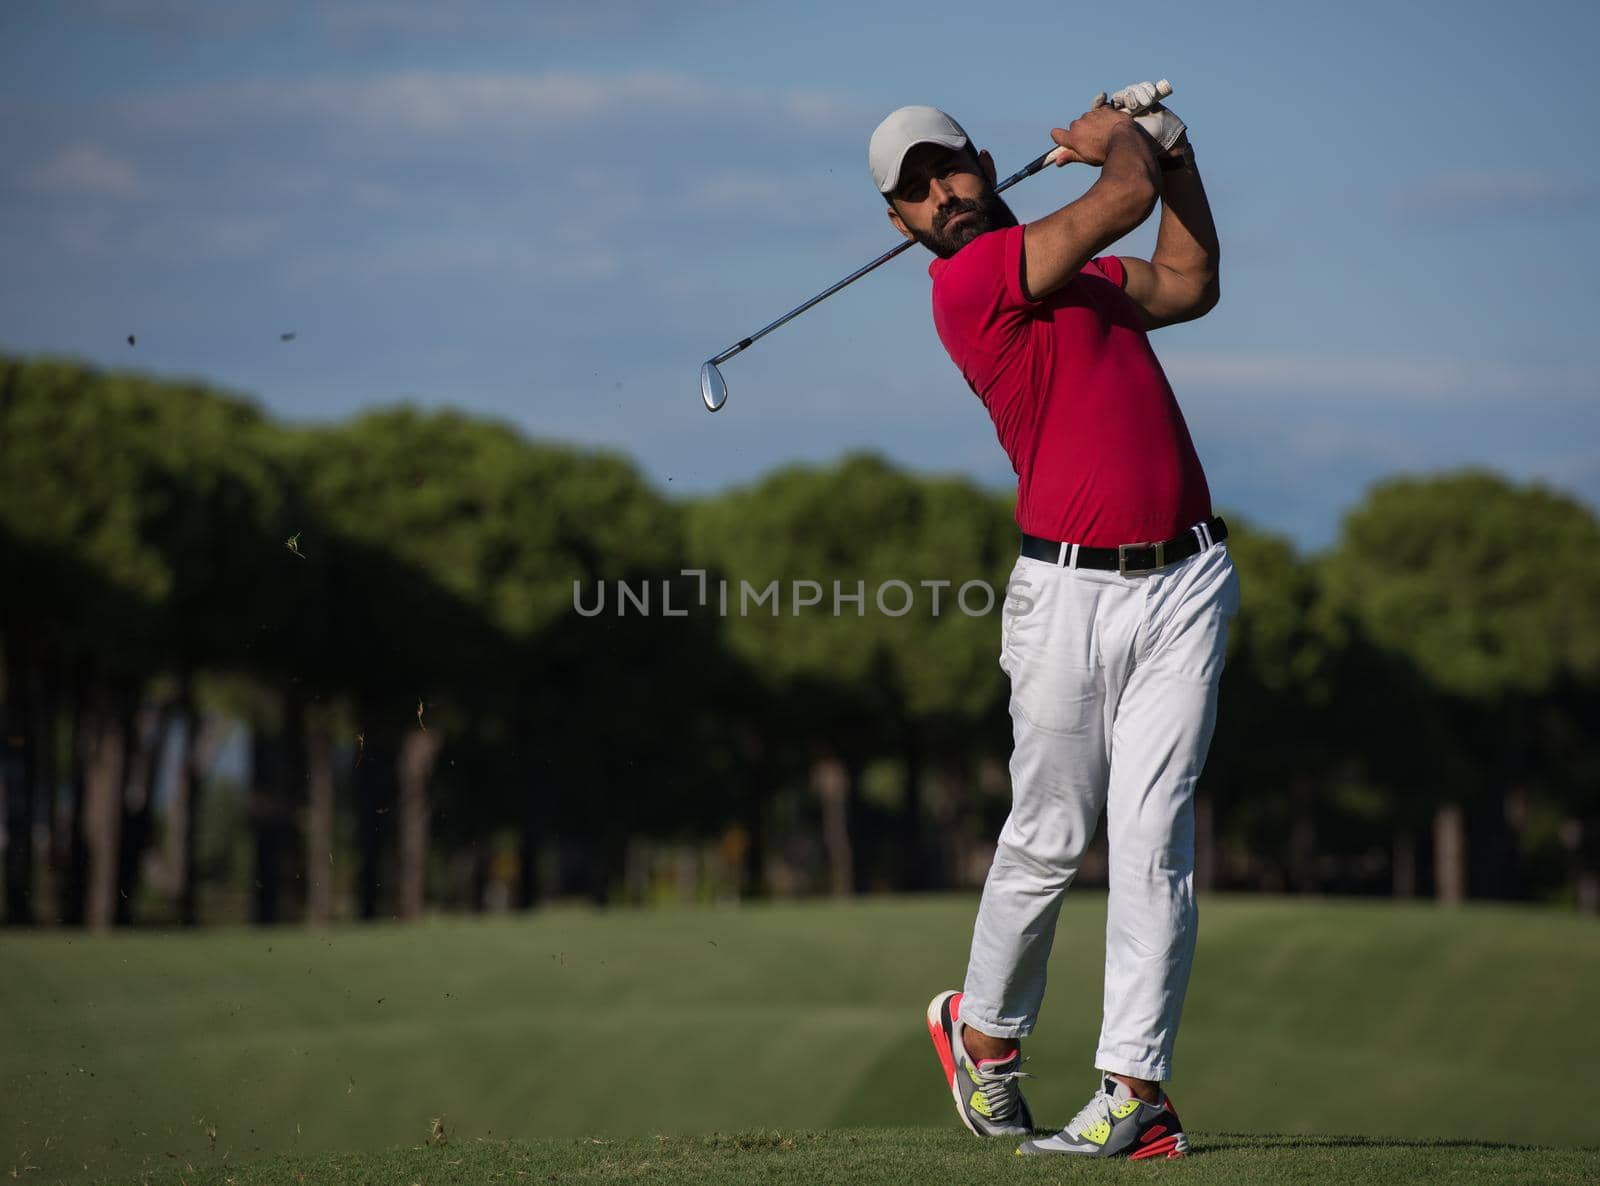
x,y
1056,247
1187,240
1131,178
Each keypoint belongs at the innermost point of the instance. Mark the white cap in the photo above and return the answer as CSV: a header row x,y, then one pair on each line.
x,y
903,131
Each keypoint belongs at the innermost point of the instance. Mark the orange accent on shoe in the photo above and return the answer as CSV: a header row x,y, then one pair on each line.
x,y
941,1044
1167,1145
942,1049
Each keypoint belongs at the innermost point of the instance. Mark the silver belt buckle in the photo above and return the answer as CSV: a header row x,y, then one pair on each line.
x,y
1122,558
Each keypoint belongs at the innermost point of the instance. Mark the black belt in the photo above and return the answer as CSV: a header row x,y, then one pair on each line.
x,y
1129,559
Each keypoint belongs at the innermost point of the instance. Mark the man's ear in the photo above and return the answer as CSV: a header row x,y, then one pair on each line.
x,y
987,162
899,223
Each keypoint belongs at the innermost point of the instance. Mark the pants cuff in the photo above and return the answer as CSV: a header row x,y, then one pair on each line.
x,y
985,1023
1158,1072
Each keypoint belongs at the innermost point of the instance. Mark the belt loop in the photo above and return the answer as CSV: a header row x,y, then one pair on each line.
x,y
1073,563
1061,556
1199,532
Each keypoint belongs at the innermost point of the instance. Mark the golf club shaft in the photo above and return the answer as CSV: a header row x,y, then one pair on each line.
x,y
714,391
1027,170
799,309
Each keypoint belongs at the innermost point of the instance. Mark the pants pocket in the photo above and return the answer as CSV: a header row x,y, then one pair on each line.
x,y
1057,697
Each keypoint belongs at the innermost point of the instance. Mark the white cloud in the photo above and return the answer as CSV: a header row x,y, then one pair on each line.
x,y
383,23
426,103
822,110
231,236
386,21
791,197
87,169
531,262
421,102
187,18
1463,196
1355,376
85,234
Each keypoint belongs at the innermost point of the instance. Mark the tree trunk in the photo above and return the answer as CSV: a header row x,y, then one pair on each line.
x,y
1449,854
830,779
20,740
478,877
148,739
47,766
606,854
1589,892
202,736
1586,862
266,775
913,856
528,866
277,774
1515,808
949,802
419,750
1403,864
1303,839
73,853
103,738
754,874
374,778
321,807
1205,844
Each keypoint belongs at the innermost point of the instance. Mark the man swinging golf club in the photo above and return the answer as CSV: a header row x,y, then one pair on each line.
x,y
1115,648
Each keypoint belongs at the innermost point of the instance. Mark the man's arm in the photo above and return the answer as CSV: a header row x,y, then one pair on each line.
x,y
1055,248
1179,280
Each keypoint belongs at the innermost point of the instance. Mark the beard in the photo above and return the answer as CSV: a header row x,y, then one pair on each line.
x,y
987,213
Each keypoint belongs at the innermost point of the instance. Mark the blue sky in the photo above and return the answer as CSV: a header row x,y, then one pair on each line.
x,y
552,213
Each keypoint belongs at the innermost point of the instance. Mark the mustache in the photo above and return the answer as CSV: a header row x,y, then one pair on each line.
x,y
960,206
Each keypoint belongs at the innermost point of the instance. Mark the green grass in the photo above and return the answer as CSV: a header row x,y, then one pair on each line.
x,y
123,1054
901,1156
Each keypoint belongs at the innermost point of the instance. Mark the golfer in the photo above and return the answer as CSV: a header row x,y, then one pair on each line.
x,y
1114,634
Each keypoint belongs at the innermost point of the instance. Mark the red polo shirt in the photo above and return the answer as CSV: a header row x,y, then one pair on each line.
x,y
1077,397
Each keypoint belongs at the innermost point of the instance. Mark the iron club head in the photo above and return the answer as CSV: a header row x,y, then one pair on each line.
x,y
712,389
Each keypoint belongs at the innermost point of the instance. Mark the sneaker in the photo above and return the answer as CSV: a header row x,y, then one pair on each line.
x,y
1115,1122
987,1097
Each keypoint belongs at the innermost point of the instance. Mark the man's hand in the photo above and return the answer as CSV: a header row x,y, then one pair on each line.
x,y
1162,125
1143,101
1165,128
1138,97
1088,139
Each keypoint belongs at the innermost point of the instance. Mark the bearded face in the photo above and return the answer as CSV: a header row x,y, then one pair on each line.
x,y
946,199
962,220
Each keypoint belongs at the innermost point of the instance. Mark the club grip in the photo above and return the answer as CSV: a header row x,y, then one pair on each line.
x,y
1163,89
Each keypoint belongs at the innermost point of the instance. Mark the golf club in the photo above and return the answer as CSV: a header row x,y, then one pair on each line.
x,y
714,389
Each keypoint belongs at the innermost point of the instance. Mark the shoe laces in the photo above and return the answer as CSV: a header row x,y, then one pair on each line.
x,y
1096,1110
1001,1090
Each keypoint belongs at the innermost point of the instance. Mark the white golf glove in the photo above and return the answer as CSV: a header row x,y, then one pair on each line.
x,y
1144,101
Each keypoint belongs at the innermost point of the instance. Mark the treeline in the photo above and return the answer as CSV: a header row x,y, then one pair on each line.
x,y
387,611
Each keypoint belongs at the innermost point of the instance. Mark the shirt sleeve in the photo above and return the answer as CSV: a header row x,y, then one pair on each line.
x,y
980,292
1110,266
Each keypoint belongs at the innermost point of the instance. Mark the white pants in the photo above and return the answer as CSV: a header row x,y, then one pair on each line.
x,y
1113,699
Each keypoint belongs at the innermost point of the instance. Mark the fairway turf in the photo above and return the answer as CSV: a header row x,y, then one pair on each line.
x,y
905,1157
144,1052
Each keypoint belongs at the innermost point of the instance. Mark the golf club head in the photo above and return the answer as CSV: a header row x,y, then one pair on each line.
x,y
712,389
